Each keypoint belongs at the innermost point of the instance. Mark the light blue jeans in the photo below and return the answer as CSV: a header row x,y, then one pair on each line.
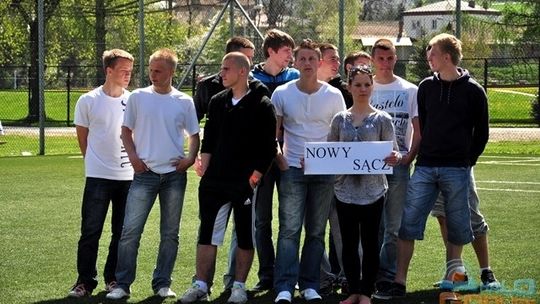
x,y
391,221
424,187
143,192
302,199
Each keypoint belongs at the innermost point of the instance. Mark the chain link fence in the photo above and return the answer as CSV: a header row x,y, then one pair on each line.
x,y
499,56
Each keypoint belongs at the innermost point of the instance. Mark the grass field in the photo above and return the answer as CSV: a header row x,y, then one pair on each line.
x,y
508,107
40,218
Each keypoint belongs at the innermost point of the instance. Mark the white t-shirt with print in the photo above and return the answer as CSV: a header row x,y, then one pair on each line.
x,y
306,117
159,123
398,99
103,115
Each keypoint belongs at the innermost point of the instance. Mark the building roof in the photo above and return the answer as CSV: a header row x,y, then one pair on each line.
x,y
449,7
370,31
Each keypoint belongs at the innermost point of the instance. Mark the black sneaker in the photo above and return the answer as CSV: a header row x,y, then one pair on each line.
x,y
394,291
489,281
262,286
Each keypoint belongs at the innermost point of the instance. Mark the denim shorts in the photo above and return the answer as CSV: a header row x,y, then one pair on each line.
x,y
425,185
478,223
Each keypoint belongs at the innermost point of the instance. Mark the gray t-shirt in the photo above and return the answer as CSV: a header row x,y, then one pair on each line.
x,y
361,189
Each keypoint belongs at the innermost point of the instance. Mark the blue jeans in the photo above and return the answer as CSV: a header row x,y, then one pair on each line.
x,y
424,187
263,225
143,192
98,193
302,199
391,221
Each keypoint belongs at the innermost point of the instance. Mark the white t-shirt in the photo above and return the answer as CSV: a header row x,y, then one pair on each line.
x,y
103,115
398,99
158,123
306,117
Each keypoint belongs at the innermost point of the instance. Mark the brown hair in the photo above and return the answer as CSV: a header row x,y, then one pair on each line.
x,y
237,43
352,57
110,57
275,39
307,44
383,44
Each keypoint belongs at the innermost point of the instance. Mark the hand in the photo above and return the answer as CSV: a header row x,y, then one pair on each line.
x,y
139,166
281,162
255,179
393,159
198,167
183,164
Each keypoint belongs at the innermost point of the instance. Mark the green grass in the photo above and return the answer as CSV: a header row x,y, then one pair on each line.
x,y
506,108
40,219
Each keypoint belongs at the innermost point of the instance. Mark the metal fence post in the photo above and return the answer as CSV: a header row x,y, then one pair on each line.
x,y
193,80
68,86
485,74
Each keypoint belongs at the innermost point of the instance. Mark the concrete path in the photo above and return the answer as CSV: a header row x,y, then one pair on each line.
x,y
495,134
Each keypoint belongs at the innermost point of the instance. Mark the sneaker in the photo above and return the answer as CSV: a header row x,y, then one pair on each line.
x,y
311,295
110,286
263,286
383,286
396,291
117,294
283,297
193,294
458,279
489,281
79,291
238,295
166,292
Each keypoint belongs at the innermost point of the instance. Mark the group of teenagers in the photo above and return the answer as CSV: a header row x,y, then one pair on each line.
x,y
258,119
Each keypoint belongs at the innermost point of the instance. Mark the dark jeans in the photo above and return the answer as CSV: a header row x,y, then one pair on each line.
x,y
98,192
367,218
263,225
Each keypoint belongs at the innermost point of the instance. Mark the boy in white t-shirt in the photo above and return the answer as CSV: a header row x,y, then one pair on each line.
x,y
98,118
153,134
305,107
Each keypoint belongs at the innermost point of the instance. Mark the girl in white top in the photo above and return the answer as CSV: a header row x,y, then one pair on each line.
x,y
360,198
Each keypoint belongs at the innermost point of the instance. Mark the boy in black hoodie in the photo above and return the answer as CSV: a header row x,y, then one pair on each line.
x,y
237,148
453,116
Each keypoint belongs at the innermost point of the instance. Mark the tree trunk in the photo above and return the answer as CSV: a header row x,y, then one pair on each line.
x,y
100,33
33,77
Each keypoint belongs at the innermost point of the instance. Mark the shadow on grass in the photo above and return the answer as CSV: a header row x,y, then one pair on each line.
x,y
417,297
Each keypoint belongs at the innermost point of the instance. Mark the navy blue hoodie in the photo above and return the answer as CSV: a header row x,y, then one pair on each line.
x,y
454,121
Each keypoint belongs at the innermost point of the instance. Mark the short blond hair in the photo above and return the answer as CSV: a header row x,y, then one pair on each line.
x,y
448,44
110,57
167,55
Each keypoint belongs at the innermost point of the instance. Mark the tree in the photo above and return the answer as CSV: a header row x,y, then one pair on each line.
x,y
28,11
523,16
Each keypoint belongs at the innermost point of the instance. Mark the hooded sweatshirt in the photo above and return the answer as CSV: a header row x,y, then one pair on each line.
x,y
454,121
271,81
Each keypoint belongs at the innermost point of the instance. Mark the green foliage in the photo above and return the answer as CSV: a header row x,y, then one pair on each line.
x,y
420,69
535,109
522,19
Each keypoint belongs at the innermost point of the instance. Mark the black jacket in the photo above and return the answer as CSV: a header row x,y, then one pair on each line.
x,y
210,86
454,121
341,85
240,138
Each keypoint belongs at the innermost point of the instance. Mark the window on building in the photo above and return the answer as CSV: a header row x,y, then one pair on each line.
x,y
434,24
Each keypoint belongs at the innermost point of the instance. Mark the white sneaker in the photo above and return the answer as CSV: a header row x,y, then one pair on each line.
x,y
111,286
117,294
283,295
194,293
310,294
238,295
166,292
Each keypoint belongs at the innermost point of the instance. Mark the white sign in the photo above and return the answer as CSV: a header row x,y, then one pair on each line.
x,y
364,157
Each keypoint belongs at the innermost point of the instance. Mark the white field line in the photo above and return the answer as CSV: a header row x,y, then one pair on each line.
x,y
509,190
513,92
501,156
506,182
506,163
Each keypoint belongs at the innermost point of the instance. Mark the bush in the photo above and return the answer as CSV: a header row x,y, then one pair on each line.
x,y
535,109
